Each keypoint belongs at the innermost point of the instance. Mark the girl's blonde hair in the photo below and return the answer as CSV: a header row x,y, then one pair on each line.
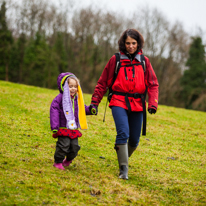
x,y
76,79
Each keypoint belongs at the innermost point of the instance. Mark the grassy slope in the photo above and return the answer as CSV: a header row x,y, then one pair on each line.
x,y
168,167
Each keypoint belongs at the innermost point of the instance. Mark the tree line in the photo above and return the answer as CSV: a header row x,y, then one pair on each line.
x,y
39,40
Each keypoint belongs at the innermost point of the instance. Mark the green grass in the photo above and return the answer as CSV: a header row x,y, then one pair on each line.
x,y
168,168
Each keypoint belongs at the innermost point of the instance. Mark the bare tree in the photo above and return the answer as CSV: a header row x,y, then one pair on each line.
x,y
166,46
96,35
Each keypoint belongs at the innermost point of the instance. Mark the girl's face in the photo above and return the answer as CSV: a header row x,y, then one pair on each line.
x,y
73,86
131,45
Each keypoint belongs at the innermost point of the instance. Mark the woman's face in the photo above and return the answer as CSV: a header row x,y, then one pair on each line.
x,y
131,45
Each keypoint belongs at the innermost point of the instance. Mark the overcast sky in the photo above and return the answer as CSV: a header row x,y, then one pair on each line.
x,y
192,13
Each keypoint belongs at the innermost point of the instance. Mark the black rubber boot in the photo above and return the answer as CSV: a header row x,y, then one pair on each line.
x,y
122,155
130,150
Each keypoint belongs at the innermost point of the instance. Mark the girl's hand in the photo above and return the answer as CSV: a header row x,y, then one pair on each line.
x,y
93,109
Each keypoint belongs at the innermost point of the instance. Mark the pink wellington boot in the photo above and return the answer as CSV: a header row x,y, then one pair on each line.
x,y
66,163
59,166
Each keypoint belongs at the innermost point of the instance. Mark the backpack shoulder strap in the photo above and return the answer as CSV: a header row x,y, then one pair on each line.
x,y
143,62
118,64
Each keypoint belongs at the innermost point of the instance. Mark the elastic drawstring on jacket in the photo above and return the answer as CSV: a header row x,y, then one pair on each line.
x,y
125,71
133,71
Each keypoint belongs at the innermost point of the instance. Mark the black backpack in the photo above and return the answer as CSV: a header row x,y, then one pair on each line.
x,y
142,96
118,65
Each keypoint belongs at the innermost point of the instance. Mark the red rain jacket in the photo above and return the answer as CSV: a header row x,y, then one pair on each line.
x,y
128,85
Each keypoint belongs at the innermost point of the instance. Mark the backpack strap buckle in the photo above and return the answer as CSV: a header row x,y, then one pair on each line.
x,y
136,95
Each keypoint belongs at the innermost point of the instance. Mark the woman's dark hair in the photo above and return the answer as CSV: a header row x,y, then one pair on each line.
x,y
133,33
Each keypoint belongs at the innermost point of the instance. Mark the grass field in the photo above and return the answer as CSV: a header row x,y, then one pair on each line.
x,y
168,168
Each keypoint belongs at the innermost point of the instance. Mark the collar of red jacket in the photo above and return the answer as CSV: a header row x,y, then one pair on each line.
x,y
137,56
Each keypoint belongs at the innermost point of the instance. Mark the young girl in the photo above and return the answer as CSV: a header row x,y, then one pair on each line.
x,y
67,114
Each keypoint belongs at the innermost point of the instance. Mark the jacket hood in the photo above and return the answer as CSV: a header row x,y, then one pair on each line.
x,y
62,79
136,55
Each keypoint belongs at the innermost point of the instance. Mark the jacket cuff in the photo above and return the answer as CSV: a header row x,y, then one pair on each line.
x,y
54,131
154,107
94,103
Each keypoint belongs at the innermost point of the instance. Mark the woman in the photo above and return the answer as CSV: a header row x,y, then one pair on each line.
x,y
129,89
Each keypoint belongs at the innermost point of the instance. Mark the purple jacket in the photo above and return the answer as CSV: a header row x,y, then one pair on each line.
x,y
57,118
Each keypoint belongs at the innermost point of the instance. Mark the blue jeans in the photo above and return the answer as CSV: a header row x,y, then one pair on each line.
x,y
128,126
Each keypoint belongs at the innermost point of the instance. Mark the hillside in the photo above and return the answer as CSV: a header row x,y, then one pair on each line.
x,y
168,167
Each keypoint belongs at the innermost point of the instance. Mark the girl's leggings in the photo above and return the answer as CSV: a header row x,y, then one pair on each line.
x,y
66,147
